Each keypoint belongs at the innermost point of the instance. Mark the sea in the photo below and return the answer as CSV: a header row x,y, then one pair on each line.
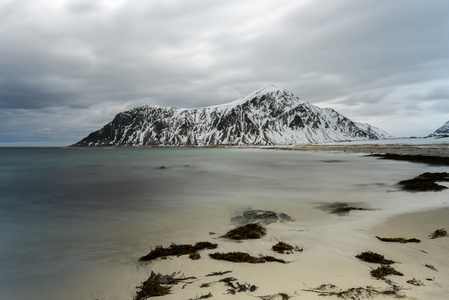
x,y
74,221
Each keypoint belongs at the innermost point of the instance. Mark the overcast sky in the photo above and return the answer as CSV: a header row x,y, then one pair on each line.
x,y
68,67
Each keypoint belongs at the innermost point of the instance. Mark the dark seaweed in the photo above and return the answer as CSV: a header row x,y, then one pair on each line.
x,y
383,271
399,240
249,231
244,257
373,257
177,250
431,160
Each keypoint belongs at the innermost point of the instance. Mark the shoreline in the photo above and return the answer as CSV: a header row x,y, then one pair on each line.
x,y
328,266
437,150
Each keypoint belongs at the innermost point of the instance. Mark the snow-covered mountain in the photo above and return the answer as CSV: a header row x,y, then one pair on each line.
x,y
269,116
443,130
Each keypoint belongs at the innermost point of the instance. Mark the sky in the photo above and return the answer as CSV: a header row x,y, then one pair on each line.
x,y
68,67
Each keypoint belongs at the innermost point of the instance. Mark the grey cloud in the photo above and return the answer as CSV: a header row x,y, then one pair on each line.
x,y
358,57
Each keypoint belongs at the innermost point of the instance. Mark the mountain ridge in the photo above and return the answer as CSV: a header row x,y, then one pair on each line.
x,y
268,116
443,130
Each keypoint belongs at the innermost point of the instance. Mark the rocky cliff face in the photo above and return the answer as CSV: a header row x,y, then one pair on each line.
x,y
442,131
269,116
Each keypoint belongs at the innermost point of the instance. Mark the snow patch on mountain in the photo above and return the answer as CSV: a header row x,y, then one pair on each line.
x,y
443,130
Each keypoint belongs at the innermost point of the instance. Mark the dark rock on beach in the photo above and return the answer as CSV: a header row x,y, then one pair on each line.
x,y
262,217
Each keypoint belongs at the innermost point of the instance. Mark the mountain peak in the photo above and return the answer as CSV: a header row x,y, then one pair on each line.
x,y
268,116
272,92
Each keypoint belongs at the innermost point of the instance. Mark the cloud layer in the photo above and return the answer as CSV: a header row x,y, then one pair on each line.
x,y
67,67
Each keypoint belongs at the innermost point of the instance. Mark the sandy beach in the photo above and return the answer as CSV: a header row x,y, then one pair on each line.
x,y
327,265
418,146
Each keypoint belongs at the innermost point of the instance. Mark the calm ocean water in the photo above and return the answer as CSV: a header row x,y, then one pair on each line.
x,y
71,217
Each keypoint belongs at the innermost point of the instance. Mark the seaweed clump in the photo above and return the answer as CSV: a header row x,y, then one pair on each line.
x,y
282,248
237,287
354,293
156,285
431,160
438,233
177,250
425,182
383,271
244,257
373,257
340,208
283,296
249,231
399,240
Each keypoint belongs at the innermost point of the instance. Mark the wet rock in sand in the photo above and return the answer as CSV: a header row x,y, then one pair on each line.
x,y
263,217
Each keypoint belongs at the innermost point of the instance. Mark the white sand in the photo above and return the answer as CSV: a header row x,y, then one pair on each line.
x,y
328,258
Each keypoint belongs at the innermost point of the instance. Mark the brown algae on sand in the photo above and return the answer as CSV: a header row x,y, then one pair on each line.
x,y
431,160
373,257
355,293
398,240
383,271
438,233
177,250
157,285
283,248
240,257
425,182
249,231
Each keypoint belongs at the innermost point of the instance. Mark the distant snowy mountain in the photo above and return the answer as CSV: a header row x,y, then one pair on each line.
x,y
443,130
269,116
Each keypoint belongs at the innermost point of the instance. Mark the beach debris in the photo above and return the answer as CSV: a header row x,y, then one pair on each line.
x,y
373,257
194,256
431,267
237,287
384,270
218,273
399,240
177,250
354,293
415,282
425,182
431,160
280,296
438,233
261,217
249,231
156,285
244,257
282,248
340,207
202,297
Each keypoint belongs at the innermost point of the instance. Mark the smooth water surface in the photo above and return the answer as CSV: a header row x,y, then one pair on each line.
x,y
72,220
